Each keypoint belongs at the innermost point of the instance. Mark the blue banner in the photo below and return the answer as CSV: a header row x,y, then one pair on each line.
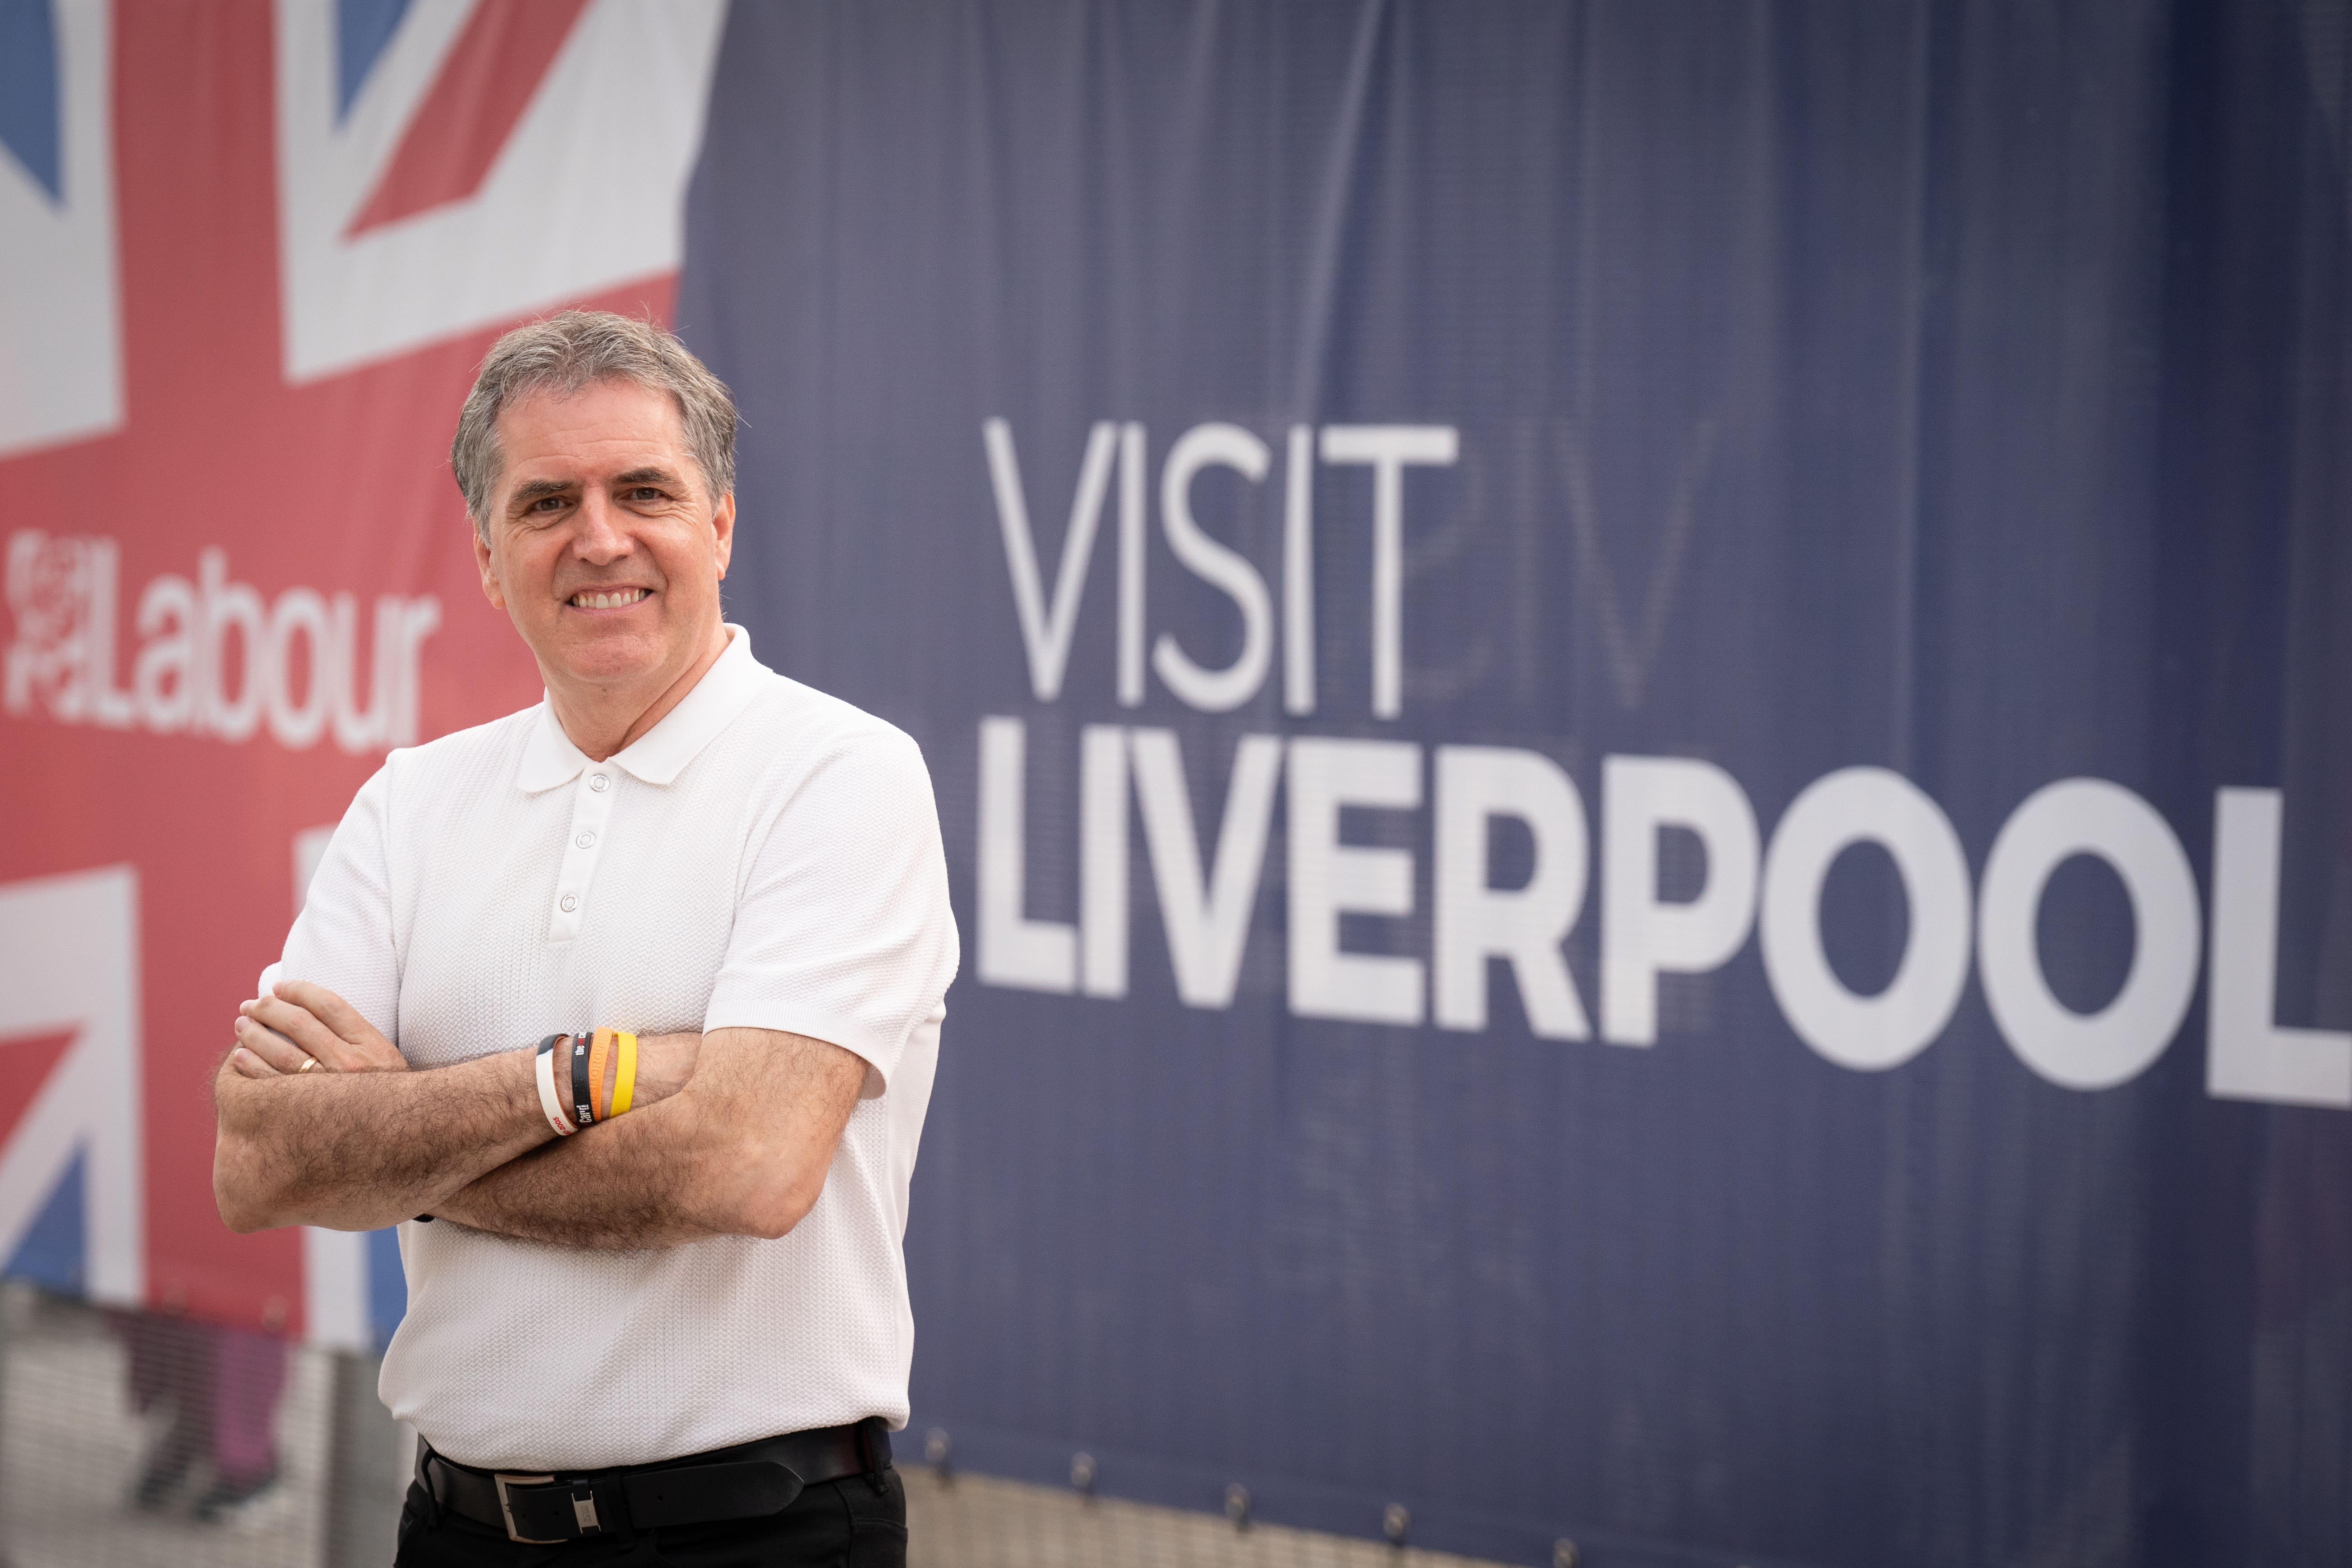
x,y
1639,709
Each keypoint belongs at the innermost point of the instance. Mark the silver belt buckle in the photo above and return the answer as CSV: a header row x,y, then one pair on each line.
x,y
507,1508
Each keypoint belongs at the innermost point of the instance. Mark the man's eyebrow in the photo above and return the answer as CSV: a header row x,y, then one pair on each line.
x,y
653,475
530,491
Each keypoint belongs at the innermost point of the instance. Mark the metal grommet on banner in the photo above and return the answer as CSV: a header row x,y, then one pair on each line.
x,y
1237,1505
1082,1473
936,1450
1396,1524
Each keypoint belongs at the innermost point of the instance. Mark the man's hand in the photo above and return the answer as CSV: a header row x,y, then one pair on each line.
x,y
298,1022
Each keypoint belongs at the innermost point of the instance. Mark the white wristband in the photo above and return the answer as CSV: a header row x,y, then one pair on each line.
x,y
545,1068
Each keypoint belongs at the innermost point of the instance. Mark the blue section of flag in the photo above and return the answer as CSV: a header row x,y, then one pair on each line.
x,y
362,29
29,90
53,1249
387,1283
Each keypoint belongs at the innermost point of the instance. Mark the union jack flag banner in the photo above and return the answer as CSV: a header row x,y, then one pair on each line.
x,y
251,255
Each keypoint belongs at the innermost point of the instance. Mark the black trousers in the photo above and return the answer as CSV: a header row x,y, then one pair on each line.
x,y
856,1522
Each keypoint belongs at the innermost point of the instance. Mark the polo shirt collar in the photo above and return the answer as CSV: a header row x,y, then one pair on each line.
x,y
661,753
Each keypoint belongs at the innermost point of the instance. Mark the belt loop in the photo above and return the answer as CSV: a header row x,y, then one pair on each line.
x,y
425,1475
612,1495
870,1451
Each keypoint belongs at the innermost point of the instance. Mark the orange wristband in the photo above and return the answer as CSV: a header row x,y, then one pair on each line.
x,y
600,1050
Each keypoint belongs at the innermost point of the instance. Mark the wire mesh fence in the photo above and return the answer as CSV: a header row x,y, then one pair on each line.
x,y
139,1440
135,1438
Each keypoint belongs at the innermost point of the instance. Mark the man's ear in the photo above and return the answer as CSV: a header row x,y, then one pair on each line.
x,y
723,524
490,590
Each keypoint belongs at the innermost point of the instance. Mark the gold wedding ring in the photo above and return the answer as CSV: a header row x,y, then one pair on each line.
x,y
307,1063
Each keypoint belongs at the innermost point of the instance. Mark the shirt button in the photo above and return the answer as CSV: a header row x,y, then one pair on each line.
x,y
568,903
599,782
587,841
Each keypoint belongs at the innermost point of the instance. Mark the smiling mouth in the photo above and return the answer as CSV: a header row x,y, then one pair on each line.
x,y
613,599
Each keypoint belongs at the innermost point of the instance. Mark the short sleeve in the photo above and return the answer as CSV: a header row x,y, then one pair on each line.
x,y
842,931
342,939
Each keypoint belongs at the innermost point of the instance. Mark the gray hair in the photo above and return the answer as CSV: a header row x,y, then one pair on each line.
x,y
564,354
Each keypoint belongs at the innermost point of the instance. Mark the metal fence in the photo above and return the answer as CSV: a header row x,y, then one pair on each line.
x,y
136,1439
126,1438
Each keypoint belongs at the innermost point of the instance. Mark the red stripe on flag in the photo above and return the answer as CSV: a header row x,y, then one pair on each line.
x,y
485,83
26,1063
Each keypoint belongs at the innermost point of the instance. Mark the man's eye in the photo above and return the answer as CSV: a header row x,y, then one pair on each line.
x,y
547,503
643,492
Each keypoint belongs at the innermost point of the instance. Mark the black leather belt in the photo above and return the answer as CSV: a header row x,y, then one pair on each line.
x,y
750,1480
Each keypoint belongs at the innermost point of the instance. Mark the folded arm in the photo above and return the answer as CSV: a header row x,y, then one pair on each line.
x,y
360,1150
730,1134
741,1150
360,1142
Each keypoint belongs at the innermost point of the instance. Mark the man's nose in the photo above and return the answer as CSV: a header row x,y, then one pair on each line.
x,y
597,534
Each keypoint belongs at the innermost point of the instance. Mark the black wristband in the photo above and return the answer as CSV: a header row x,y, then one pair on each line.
x,y
582,1112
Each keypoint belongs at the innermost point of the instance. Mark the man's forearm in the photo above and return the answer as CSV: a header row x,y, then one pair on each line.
x,y
360,1150
620,1187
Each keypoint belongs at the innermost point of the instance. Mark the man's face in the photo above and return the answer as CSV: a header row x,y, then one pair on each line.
x,y
606,545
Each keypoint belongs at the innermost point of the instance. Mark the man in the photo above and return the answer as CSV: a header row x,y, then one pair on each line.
x,y
654,1293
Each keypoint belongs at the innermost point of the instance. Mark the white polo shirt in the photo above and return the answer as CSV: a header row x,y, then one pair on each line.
x,y
766,856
